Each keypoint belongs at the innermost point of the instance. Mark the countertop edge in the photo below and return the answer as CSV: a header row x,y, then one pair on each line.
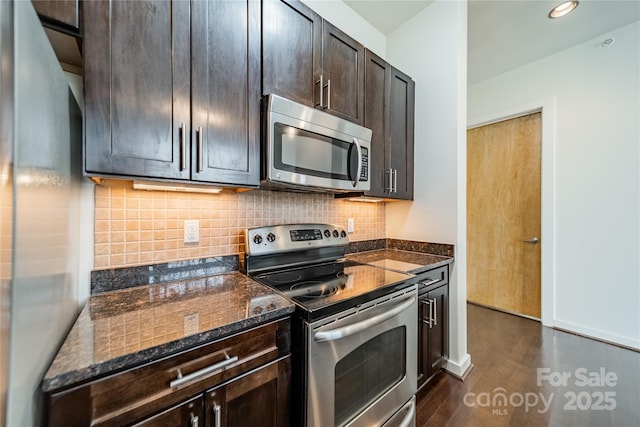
x,y
153,354
429,267
442,259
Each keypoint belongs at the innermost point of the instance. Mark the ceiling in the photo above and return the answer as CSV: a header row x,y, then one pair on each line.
x,y
506,34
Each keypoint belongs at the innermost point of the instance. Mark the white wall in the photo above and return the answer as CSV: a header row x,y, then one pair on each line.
x,y
596,286
342,16
85,219
432,48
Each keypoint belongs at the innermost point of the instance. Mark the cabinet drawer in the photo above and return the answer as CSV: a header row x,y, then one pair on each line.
x,y
433,278
131,395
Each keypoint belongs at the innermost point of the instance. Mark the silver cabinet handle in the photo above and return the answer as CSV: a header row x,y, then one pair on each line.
x,y
359,170
328,85
395,180
202,372
217,416
393,183
429,283
199,132
435,312
183,146
321,88
431,312
428,320
195,421
390,187
345,331
533,240
393,175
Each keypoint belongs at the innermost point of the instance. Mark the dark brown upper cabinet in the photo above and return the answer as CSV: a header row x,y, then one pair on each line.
x,y
171,90
308,60
62,15
225,91
389,113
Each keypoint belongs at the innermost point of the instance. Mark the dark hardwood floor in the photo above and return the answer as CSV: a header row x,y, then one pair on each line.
x,y
507,351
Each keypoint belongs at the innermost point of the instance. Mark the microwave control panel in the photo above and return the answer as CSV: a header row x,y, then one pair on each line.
x,y
364,171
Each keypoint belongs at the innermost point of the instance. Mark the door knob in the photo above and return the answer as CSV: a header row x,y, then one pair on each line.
x,y
533,240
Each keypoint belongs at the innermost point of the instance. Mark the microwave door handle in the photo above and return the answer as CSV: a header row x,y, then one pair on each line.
x,y
359,169
345,331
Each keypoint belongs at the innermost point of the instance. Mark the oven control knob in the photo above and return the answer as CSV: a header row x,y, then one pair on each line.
x,y
257,239
335,233
343,234
271,237
327,233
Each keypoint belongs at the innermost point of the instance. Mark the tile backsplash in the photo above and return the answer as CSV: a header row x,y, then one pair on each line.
x,y
137,227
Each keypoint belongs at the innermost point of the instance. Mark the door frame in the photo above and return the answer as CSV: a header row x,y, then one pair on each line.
x,y
547,107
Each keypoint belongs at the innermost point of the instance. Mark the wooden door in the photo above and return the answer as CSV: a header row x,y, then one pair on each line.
x,y
258,399
291,50
401,122
377,86
225,83
137,93
503,214
343,74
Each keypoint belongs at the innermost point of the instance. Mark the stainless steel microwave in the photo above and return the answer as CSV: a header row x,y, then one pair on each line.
x,y
309,149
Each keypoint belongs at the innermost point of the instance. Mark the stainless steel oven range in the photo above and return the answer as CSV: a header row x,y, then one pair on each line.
x,y
355,329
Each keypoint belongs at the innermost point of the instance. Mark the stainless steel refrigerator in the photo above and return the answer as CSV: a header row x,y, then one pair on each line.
x,y
40,173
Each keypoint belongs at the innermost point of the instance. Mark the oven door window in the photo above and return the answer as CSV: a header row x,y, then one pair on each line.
x,y
368,372
307,153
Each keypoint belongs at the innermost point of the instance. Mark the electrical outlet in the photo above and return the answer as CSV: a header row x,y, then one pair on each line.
x,y
192,231
191,323
350,226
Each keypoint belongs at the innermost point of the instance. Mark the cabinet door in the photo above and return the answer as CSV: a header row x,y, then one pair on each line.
x,y
376,118
137,93
258,399
423,339
343,74
225,58
291,50
188,414
438,348
401,122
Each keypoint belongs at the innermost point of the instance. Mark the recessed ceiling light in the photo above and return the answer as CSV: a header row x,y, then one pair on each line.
x,y
563,8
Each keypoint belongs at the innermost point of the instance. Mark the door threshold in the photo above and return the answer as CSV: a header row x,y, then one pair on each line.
x,y
537,319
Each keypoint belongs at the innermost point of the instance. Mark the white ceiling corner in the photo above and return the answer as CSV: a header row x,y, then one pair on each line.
x,y
505,34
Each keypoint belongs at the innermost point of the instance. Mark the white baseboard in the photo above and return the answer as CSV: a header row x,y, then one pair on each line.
x,y
460,369
599,335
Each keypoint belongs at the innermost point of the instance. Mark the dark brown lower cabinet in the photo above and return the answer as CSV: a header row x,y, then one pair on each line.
x,y
433,330
187,414
203,386
258,399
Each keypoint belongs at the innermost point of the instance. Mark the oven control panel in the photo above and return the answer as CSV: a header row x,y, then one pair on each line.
x,y
291,237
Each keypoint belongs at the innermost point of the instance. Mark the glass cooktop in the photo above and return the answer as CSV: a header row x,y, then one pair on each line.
x,y
324,289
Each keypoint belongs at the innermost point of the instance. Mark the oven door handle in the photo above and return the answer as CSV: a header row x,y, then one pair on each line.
x,y
408,420
345,331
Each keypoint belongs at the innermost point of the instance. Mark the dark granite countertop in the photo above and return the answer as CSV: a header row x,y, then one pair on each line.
x,y
125,328
399,260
